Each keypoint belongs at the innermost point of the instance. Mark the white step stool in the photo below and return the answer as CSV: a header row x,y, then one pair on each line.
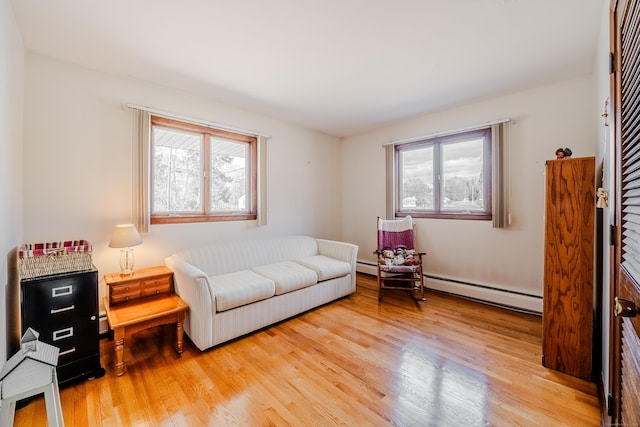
x,y
28,373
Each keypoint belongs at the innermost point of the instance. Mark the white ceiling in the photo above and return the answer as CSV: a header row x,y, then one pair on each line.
x,y
339,66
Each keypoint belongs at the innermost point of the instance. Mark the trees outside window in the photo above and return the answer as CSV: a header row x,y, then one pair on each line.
x,y
201,173
445,177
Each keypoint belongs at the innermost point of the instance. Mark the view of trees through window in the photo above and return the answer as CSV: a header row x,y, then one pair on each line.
x,y
197,171
462,166
444,175
177,177
417,173
228,175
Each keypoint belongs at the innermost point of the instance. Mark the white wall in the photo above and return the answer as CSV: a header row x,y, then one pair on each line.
x,y
78,165
11,117
545,118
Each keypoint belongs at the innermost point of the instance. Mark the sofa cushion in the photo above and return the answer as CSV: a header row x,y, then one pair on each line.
x,y
287,276
242,287
327,268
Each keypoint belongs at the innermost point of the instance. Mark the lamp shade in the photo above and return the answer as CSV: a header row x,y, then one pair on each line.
x,y
124,236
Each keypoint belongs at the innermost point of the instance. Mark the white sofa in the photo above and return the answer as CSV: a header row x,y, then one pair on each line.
x,y
238,287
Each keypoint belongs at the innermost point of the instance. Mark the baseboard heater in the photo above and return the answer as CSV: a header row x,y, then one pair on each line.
x,y
505,298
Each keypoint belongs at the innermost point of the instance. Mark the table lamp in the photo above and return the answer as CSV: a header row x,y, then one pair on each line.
x,y
124,236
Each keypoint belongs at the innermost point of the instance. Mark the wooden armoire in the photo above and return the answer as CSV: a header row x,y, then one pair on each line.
x,y
569,266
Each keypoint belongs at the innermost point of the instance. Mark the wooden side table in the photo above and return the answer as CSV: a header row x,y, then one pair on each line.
x,y
131,307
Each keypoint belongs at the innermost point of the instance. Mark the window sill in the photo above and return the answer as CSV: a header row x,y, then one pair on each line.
x,y
184,219
456,215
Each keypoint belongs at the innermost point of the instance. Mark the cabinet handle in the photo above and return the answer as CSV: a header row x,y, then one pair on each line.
x,y
63,333
71,350
157,291
60,310
61,291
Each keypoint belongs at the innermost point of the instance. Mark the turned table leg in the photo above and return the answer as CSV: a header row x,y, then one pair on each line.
x,y
118,346
180,332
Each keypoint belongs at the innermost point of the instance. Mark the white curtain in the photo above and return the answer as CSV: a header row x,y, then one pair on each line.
x,y
390,181
500,179
141,150
262,180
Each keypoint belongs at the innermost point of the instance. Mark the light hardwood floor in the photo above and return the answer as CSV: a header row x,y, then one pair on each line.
x,y
353,362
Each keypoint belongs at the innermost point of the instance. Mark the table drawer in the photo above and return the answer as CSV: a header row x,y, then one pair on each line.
x,y
125,292
160,285
144,283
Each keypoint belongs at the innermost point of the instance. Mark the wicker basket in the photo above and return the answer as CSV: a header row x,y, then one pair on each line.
x,y
44,259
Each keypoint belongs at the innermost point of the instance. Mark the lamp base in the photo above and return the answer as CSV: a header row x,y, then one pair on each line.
x,y
126,262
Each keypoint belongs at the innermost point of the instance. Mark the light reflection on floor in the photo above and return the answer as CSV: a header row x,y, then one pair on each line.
x,y
444,392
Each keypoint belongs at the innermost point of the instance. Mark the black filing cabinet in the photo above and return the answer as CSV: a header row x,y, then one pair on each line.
x,y
63,309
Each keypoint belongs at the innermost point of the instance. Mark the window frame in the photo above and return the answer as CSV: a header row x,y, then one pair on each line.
x,y
437,142
206,216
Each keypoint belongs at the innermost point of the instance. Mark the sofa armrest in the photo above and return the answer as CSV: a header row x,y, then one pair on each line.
x,y
192,285
340,250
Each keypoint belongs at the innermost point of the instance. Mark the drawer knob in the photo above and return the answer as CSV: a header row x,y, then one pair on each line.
x,y
126,298
126,288
157,282
157,291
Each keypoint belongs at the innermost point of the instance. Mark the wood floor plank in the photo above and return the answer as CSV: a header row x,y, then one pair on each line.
x,y
445,362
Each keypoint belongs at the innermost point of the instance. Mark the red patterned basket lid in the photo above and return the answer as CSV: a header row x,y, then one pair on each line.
x,y
30,250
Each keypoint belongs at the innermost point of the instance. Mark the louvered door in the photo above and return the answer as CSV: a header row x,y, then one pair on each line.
x,y
625,372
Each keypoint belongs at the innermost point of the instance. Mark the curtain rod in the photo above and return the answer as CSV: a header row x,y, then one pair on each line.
x,y
197,121
446,132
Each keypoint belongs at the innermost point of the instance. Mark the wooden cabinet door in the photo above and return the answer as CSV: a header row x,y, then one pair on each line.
x,y
568,304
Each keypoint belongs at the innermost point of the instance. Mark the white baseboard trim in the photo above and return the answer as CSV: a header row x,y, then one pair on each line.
x,y
103,325
490,295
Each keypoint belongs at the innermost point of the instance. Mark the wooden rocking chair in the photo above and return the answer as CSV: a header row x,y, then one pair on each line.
x,y
399,263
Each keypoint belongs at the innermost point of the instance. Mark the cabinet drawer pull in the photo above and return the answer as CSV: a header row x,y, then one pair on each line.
x,y
60,310
63,333
71,350
61,291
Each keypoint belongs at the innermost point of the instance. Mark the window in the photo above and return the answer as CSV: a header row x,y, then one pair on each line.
x,y
445,176
200,173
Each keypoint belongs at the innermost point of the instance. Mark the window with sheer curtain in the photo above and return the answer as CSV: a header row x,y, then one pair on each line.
x,y
190,172
452,175
200,173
